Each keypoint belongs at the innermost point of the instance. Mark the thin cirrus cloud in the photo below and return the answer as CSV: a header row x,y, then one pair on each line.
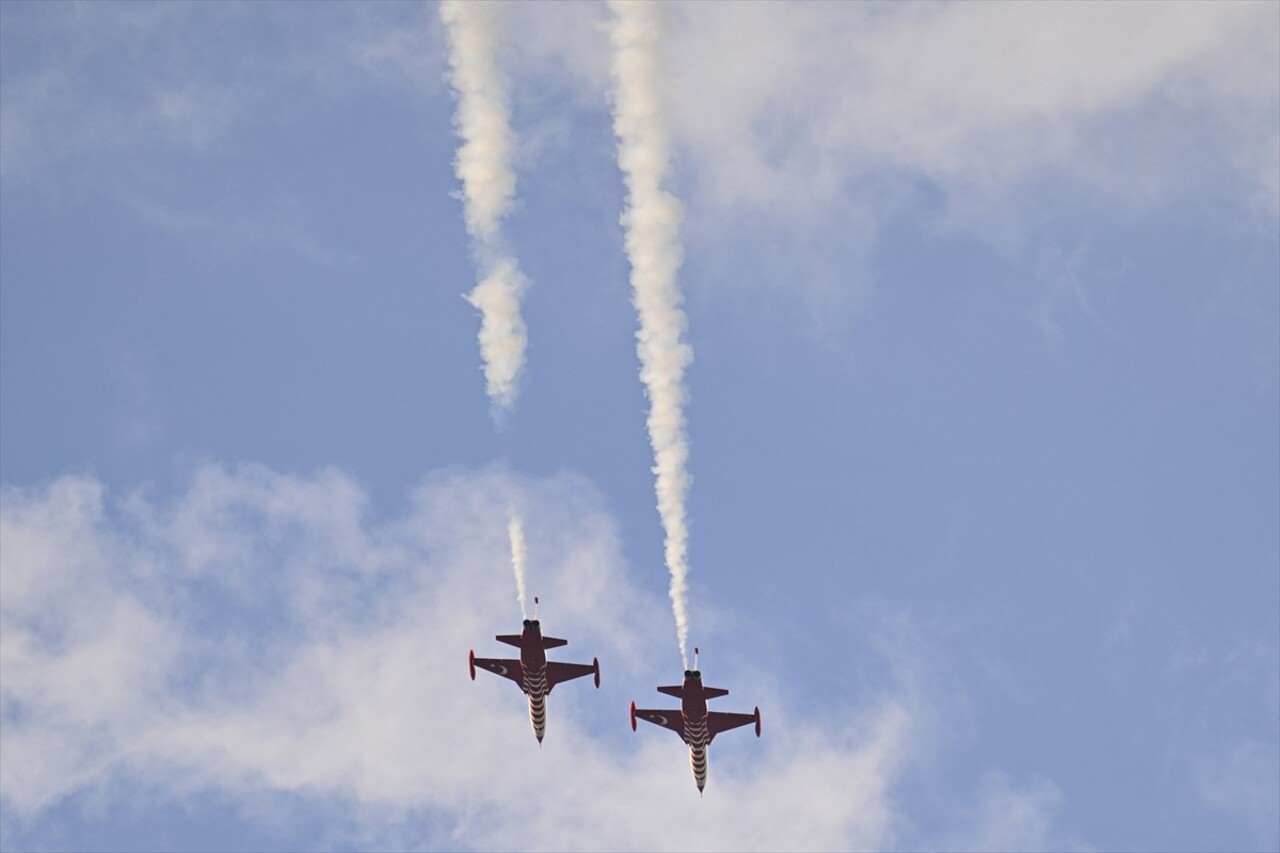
x,y
259,635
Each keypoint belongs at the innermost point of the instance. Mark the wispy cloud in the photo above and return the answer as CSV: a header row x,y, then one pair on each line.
x,y
1245,781
784,112
280,222
1007,817
805,124
94,93
801,128
260,635
974,97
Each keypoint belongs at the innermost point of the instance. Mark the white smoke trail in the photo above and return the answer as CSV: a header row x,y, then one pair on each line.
x,y
515,530
483,164
652,220
502,330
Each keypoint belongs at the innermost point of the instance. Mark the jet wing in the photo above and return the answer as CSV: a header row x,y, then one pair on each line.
x,y
673,720
506,668
560,672
718,721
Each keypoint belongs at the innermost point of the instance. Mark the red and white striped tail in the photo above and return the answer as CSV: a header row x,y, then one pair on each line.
x,y
538,715
698,759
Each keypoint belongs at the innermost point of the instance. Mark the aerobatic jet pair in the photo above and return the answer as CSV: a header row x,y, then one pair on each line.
x,y
536,677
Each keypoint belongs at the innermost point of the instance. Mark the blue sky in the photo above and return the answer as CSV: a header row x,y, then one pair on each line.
x,y
984,302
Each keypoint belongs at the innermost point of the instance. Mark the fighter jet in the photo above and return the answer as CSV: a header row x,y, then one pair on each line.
x,y
535,675
695,725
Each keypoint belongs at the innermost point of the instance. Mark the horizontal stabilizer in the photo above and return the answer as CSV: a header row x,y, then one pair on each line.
x,y
553,642
713,692
676,691
509,639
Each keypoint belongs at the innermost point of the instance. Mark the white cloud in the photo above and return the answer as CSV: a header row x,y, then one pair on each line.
x,y
790,111
259,636
793,114
803,130
78,650
974,97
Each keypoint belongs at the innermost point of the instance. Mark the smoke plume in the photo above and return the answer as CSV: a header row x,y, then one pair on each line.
x,y
515,530
502,330
651,220
483,165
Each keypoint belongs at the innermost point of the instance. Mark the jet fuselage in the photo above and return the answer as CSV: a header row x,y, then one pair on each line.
x,y
693,706
695,725
533,673
533,666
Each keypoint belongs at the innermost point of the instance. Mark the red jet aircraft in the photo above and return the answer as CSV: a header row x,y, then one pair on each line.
x,y
695,725
535,675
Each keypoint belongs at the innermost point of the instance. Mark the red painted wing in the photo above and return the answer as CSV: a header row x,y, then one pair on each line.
x,y
673,720
506,668
718,721
561,672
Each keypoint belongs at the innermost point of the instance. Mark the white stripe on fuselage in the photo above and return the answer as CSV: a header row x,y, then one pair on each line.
x,y
695,734
535,684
